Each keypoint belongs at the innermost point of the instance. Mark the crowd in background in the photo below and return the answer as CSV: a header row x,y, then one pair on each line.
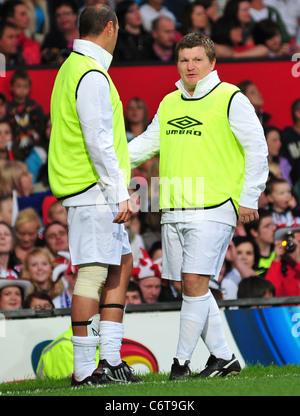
x,y
35,267
37,32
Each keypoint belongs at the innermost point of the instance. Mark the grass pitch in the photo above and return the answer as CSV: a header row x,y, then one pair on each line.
x,y
252,381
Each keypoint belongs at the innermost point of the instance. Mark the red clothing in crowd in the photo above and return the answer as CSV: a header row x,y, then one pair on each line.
x,y
30,50
287,284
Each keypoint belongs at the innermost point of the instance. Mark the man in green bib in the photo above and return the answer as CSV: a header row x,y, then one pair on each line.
x,y
89,170
213,168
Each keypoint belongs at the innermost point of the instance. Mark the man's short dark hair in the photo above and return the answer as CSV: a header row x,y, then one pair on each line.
x,y
264,30
50,224
93,20
5,24
73,4
20,74
8,8
254,225
122,9
192,40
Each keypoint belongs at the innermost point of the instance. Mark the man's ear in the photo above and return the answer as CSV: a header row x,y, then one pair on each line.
x,y
110,28
213,64
253,233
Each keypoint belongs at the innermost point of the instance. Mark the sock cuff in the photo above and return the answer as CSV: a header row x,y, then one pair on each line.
x,y
111,324
85,341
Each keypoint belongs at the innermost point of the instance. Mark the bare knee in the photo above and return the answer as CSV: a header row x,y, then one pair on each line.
x,y
195,284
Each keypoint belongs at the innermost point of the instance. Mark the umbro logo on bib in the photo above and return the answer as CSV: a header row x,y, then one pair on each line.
x,y
184,122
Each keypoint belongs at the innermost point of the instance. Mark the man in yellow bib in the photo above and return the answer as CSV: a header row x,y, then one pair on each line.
x,y
89,170
213,168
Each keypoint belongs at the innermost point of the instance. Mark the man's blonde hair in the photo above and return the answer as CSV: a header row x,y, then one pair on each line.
x,y
27,215
10,175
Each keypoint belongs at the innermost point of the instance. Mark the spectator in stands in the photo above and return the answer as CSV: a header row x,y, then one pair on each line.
x,y
12,292
38,301
155,251
136,117
39,24
16,12
135,239
243,255
6,140
9,44
27,228
48,201
132,39
25,115
162,47
8,262
54,211
6,209
284,272
152,230
290,148
251,90
14,175
148,276
240,10
151,10
227,35
262,231
38,267
42,180
279,166
212,11
266,32
289,10
58,43
69,277
194,19
255,287
16,179
273,137
3,103
134,294
168,292
260,11
284,207
56,239
175,7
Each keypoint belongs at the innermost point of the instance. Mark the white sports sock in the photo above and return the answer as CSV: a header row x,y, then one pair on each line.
x,y
213,334
111,334
84,356
193,316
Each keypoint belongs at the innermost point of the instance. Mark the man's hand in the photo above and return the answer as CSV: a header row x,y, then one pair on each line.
x,y
279,250
248,214
125,211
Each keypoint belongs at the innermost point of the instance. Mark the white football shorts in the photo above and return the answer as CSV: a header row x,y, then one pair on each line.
x,y
194,247
94,238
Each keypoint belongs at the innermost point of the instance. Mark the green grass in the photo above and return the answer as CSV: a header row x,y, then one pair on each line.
x,y
253,381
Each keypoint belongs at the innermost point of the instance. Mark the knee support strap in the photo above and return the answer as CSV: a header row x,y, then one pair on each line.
x,y
92,325
90,280
112,305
